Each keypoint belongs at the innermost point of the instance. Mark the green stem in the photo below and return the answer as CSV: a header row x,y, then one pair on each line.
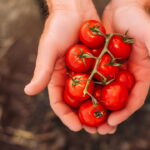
x,y
94,100
104,78
105,50
112,56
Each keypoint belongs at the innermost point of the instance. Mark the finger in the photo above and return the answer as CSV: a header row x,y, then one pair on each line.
x,y
113,131
135,101
107,19
46,58
90,129
105,129
66,115
139,28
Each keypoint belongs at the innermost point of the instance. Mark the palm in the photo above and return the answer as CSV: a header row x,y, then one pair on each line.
x,y
118,18
64,28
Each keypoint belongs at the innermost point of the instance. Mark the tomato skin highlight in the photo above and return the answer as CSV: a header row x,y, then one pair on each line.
x,y
88,38
87,114
114,96
106,70
97,92
126,78
76,91
119,48
96,51
74,61
71,101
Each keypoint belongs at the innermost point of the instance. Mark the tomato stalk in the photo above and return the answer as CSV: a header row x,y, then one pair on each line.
x,y
94,71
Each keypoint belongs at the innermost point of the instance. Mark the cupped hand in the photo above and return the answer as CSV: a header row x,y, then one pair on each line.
x,y
134,16
60,32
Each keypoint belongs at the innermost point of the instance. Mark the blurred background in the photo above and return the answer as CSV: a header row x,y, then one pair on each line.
x,y
28,123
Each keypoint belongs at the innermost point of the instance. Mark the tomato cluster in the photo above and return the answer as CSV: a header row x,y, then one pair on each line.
x,y
98,78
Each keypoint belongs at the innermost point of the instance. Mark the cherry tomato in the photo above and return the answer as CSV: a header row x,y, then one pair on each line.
x,y
96,51
71,101
90,34
105,69
126,78
76,58
97,92
75,86
114,96
91,115
124,66
119,48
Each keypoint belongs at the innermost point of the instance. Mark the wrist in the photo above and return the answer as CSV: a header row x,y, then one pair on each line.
x,y
71,5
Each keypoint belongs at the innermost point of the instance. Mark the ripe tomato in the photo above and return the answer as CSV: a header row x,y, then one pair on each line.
x,y
90,34
91,115
124,66
71,101
105,69
126,78
119,48
76,58
75,86
97,92
114,96
96,51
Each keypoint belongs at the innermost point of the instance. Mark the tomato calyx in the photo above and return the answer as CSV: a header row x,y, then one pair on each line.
x,y
75,80
127,40
98,114
83,55
95,30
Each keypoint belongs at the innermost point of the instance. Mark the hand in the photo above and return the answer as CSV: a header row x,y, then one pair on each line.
x,y
132,15
61,32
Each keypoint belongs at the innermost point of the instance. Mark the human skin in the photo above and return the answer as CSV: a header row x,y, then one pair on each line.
x,y
134,16
61,32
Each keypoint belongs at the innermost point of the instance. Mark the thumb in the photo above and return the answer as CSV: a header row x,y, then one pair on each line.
x,y
46,58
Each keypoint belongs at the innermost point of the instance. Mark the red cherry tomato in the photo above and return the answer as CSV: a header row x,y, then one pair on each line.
x,y
114,96
97,92
124,66
119,48
126,78
96,52
90,34
71,101
91,115
105,69
75,86
76,58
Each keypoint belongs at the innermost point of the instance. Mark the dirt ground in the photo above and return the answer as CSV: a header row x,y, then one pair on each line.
x,y
28,123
